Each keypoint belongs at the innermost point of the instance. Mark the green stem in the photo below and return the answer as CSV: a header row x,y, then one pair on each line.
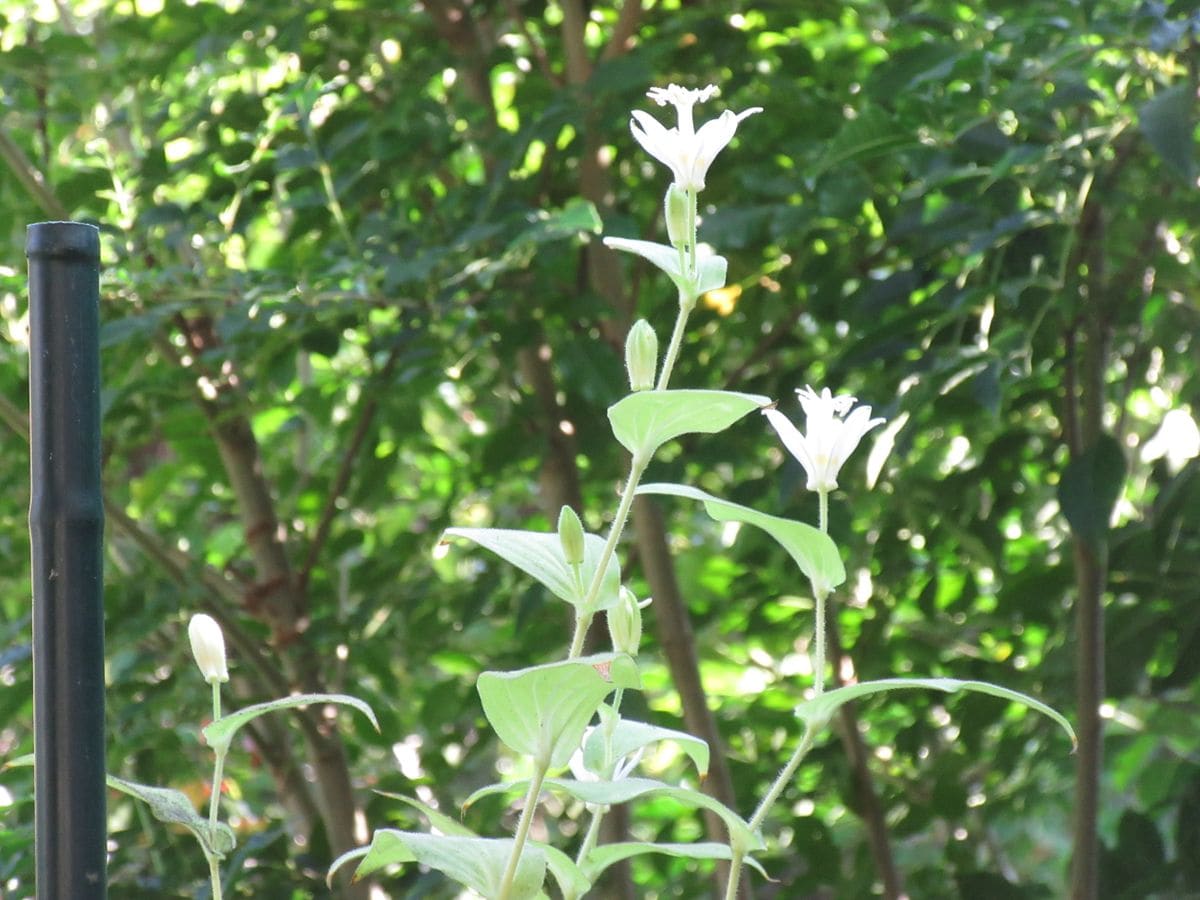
x,y
821,612
785,775
687,301
214,874
735,875
214,802
218,764
592,836
586,610
685,308
819,640
531,801
583,619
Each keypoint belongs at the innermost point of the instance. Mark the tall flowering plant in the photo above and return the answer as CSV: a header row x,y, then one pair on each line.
x,y
565,718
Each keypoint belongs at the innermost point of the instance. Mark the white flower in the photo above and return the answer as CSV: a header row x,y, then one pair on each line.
x,y
686,151
835,427
208,646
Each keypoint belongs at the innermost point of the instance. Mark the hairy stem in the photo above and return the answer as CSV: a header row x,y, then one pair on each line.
x,y
768,800
523,825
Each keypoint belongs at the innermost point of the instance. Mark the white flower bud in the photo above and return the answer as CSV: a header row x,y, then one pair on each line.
x,y
675,211
625,624
570,533
208,646
641,356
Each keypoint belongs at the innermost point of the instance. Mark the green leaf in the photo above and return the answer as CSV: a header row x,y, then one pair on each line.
x,y
629,736
814,552
477,863
817,711
436,818
1168,122
172,806
1090,486
543,711
572,880
540,555
220,733
167,805
609,793
710,270
644,421
600,858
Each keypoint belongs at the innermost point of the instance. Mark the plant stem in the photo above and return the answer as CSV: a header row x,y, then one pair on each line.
x,y
531,801
592,836
214,802
821,596
785,776
214,874
687,302
819,640
586,609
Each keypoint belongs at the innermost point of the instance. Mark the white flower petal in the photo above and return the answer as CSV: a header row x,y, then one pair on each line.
x,y
792,439
687,152
834,427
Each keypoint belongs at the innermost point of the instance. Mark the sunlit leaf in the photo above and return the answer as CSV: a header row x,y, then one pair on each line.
x,y
475,862
629,736
543,711
818,710
644,421
174,807
814,552
540,555
605,855
220,733
608,793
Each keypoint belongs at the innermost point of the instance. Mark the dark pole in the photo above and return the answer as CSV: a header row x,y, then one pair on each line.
x,y
66,529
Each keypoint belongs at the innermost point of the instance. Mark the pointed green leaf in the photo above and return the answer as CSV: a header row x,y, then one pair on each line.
x,y
1168,121
540,555
610,793
629,737
710,270
220,733
644,421
818,710
436,818
1090,487
543,711
814,552
710,274
477,863
348,856
600,858
169,805
572,882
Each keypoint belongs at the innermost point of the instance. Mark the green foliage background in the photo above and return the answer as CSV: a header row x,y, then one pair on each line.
x,y
357,228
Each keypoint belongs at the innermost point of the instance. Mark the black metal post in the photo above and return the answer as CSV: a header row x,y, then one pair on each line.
x,y
66,528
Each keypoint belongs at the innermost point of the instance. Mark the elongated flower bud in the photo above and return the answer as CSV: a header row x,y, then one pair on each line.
x,y
208,646
570,533
625,624
676,213
641,356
